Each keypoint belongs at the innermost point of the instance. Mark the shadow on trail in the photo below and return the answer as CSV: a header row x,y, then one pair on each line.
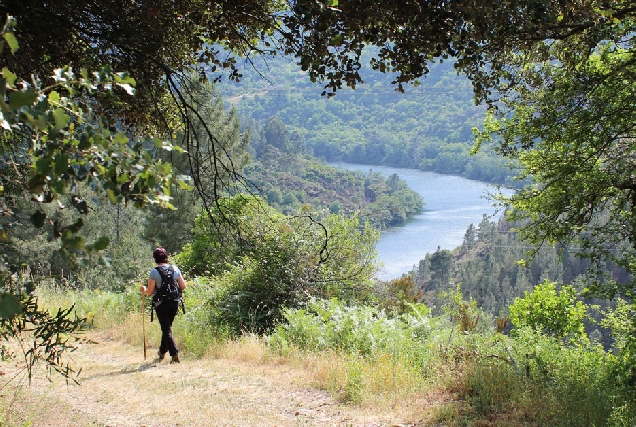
x,y
126,369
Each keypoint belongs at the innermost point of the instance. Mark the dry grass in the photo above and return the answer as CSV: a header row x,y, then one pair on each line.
x,y
242,382
242,385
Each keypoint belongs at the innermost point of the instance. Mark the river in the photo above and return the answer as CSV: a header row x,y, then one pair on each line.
x,y
451,204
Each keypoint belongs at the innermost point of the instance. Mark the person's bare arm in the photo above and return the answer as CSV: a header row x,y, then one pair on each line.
x,y
148,289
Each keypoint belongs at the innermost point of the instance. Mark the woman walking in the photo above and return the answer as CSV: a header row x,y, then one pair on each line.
x,y
165,284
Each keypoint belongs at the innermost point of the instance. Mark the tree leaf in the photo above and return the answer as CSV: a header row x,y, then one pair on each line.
x,y
121,138
111,196
61,163
11,41
184,182
38,122
123,178
101,243
61,118
22,98
54,97
9,306
72,241
11,78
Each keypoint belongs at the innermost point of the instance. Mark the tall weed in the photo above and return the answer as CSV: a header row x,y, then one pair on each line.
x,y
378,354
359,330
535,377
120,313
101,309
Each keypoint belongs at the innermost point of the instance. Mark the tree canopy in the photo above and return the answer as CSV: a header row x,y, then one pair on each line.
x,y
568,116
329,36
155,41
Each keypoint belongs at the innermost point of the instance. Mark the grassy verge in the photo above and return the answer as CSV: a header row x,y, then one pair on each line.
x,y
365,357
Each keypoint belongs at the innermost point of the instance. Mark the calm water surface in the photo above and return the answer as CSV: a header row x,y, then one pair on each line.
x,y
451,204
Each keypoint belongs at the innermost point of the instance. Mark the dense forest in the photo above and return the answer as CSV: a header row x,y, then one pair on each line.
x,y
493,266
494,270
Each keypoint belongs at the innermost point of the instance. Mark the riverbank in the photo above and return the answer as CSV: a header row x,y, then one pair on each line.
x,y
451,204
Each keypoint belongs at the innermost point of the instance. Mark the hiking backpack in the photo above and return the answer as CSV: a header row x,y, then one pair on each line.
x,y
169,289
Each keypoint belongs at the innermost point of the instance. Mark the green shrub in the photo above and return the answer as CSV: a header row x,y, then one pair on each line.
x,y
622,323
196,329
575,382
358,330
551,312
278,261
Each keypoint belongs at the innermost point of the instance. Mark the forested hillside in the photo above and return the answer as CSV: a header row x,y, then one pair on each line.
x,y
493,269
494,266
288,181
428,127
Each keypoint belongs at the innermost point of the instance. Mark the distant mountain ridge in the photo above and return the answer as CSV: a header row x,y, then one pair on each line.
x,y
429,127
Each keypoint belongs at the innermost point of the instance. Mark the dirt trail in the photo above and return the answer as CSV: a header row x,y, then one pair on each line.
x,y
119,389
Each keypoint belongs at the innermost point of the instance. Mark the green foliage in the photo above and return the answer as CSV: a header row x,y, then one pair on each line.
x,y
248,300
530,378
125,259
358,329
370,125
439,265
280,261
198,329
135,36
71,145
577,155
128,256
215,154
464,313
622,323
398,295
411,37
494,267
535,378
553,312
292,180
102,309
582,388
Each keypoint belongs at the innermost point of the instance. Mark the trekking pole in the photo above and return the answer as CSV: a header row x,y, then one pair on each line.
x,y
143,322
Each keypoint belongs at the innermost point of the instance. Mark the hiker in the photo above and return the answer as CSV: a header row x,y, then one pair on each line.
x,y
165,283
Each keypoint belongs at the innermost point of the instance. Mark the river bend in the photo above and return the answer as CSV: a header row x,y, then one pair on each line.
x,y
451,204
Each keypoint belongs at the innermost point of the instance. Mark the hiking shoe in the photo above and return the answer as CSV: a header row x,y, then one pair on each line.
x,y
175,359
160,356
